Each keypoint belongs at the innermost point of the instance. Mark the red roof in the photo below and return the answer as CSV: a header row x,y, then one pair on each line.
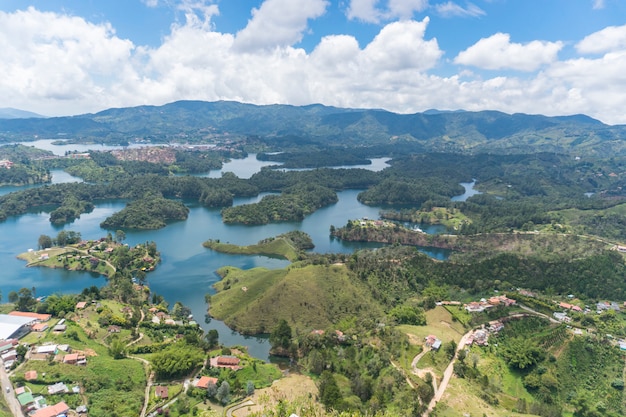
x,y
227,360
42,317
81,304
204,382
52,411
162,392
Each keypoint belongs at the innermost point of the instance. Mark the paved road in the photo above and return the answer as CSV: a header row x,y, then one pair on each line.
x,y
9,397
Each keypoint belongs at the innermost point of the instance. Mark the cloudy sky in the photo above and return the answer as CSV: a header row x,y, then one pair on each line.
x,y
555,57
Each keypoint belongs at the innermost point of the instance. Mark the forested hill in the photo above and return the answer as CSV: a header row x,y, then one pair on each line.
x,y
192,121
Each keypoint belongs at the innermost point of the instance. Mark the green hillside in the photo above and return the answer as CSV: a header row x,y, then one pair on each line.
x,y
310,297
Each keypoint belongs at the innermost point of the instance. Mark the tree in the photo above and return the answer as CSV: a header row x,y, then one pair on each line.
x,y
117,349
25,300
212,338
522,353
120,236
330,394
13,297
249,388
44,242
180,311
223,393
281,335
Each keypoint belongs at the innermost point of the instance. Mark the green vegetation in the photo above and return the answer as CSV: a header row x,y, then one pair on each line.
x,y
307,297
292,205
289,245
151,212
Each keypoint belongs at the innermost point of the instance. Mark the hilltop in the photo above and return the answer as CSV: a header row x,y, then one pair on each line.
x,y
318,125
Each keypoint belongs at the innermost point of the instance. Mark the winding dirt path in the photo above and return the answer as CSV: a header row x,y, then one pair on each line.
x,y
423,371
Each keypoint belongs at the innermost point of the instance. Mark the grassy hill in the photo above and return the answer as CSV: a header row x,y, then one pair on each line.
x,y
311,297
288,245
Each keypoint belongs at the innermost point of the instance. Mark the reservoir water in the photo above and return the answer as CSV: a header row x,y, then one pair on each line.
x,y
469,191
187,271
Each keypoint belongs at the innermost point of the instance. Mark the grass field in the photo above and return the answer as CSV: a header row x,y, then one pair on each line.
x,y
439,323
461,400
309,297
280,248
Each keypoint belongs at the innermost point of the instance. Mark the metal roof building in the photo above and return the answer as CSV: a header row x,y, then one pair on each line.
x,y
14,326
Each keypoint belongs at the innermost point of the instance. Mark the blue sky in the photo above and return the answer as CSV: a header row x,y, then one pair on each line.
x,y
61,57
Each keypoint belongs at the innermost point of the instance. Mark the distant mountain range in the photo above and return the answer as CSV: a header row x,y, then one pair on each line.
x,y
462,131
11,113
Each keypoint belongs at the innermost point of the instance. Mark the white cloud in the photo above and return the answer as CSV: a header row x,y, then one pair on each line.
x,y
400,46
278,23
370,10
57,58
198,12
598,4
451,9
56,65
608,39
364,10
150,3
497,52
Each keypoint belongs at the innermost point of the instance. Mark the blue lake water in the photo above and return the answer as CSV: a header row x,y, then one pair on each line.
x,y
187,271
469,191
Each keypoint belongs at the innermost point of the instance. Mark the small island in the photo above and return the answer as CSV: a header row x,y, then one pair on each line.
x,y
151,212
288,245
103,256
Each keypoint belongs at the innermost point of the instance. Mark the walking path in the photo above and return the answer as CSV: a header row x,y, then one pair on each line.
x,y
422,372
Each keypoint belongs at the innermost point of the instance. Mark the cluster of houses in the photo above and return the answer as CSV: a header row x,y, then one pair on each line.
x,y
36,406
224,361
601,307
480,337
161,317
338,334
6,164
484,304
61,353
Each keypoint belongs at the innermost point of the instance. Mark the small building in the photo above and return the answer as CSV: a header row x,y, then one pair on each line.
x,y
39,327
25,399
75,359
58,388
161,392
114,329
59,328
205,381
563,317
46,349
432,342
52,411
230,362
81,409
81,305
11,355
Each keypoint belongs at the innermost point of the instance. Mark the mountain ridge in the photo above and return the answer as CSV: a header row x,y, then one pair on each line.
x,y
464,131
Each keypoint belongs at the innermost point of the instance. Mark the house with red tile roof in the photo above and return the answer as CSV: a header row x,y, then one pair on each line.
x,y
204,382
52,411
161,392
231,362
36,316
